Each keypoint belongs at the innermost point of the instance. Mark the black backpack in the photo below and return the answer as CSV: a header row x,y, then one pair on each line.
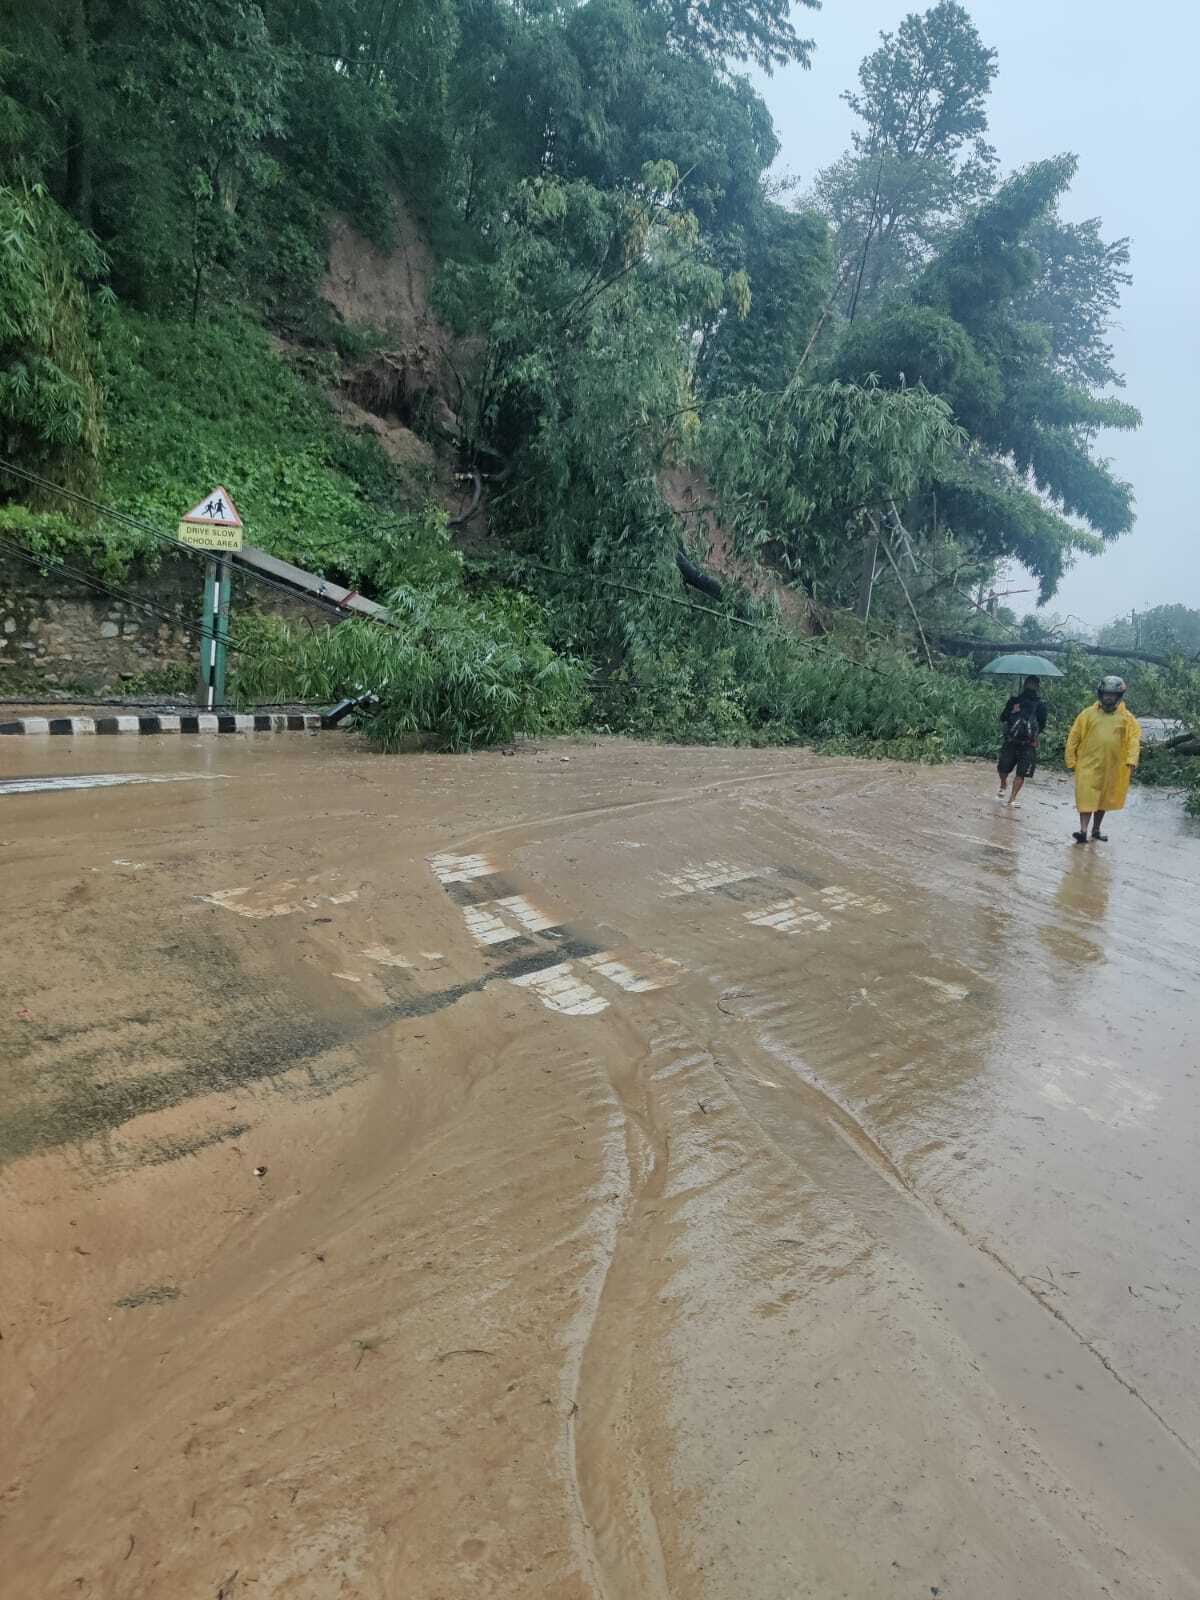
x,y
1023,724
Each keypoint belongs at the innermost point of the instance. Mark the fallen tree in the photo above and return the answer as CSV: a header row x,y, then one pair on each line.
x,y
1047,647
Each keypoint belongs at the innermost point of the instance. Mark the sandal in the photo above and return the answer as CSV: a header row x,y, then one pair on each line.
x,y
1080,838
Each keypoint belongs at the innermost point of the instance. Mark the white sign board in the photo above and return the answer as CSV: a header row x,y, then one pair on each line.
x,y
213,523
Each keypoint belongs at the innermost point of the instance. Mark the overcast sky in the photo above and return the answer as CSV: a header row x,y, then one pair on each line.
x,y
1114,83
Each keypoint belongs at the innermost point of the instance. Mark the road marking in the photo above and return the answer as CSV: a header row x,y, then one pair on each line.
x,y
789,916
386,957
712,875
485,927
559,989
100,780
527,915
449,868
266,903
952,991
608,966
839,899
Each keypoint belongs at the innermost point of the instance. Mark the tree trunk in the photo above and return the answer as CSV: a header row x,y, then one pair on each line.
x,y
1048,647
78,196
867,581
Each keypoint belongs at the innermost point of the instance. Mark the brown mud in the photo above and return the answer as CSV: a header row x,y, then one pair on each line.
x,y
600,1171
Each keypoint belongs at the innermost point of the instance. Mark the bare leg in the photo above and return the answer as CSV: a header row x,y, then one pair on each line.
x,y
1018,785
1003,783
1084,818
1097,819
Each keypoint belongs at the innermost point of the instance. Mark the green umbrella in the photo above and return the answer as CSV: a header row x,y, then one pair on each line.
x,y
1023,666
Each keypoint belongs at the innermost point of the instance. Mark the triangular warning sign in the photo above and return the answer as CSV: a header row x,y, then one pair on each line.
x,y
216,510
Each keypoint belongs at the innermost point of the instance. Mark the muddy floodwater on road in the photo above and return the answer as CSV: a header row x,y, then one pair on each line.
x,y
600,1172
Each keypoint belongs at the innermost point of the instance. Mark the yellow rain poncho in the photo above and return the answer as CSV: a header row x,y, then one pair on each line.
x,y
1101,748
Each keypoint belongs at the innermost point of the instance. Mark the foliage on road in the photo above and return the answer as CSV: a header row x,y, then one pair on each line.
x,y
466,672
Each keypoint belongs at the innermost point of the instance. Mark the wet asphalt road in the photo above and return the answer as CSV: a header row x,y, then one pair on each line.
x,y
839,1136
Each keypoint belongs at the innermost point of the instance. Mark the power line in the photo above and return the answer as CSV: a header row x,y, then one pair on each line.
x,y
193,552
331,606
817,642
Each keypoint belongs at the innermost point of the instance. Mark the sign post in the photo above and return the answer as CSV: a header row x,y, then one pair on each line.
x,y
214,524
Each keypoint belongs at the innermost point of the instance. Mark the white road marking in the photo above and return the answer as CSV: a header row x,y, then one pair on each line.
x,y
266,904
449,868
839,899
607,965
952,991
527,915
789,916
485,927
100,780
712,875
385,957
559,989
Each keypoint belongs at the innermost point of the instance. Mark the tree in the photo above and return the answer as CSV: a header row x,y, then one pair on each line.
x,y
598,92
1074,296
50,412
1036,625
920,158
223,79
1162,630
582,385
788,261
807,478
741,30
1031,465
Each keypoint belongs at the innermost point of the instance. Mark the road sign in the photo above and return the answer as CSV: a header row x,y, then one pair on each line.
x,y
213,523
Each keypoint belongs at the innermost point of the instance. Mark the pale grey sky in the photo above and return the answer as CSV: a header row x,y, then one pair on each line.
x,y
1114,83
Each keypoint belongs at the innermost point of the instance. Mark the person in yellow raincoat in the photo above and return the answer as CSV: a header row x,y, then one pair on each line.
x,y
1102,751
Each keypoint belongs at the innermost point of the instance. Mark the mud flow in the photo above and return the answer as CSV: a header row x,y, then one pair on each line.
x,y
595,1173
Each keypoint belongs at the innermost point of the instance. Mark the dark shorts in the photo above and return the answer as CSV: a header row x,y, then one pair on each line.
x,y
1021,756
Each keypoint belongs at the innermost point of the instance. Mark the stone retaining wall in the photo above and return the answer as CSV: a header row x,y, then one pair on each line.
x,y
59,634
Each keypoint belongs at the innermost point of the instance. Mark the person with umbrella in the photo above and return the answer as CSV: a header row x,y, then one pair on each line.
x,y
1023,719
1102,750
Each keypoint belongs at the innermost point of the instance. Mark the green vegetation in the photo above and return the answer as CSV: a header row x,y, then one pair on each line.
x,y
880,394
1162,630
466,672
216,403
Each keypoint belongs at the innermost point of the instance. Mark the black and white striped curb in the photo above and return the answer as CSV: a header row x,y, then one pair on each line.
x,y
172,722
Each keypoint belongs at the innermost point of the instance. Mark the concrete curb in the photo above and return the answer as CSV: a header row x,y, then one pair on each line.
x,y
170,722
